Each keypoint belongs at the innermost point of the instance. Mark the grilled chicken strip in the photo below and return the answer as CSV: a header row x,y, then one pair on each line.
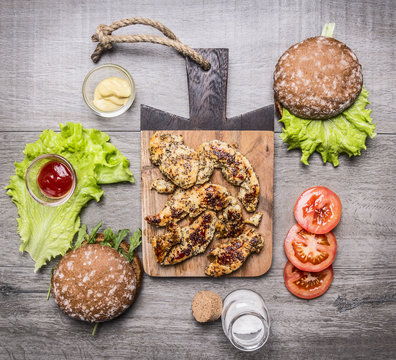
x,y
178,162
191,202
163,243
159,145
236,169
250,191
233,164
255,219
206,168
231,255
194,239
230,223
163,186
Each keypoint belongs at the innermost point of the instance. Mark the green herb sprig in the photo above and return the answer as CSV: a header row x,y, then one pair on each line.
x,y
94,329
111,239
50,285
134,241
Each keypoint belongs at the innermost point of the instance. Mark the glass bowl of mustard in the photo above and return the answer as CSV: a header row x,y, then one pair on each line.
x,y
108,90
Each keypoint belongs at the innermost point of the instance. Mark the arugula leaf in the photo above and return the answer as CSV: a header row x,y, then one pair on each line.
x,y
92,237
111,239
108,235
135,240
49,231
82,235
119,237
122,252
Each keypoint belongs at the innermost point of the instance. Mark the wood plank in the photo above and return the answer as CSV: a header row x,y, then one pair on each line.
x,y
155,119
363,185
258,147
352,320
365,330
207,90
44,66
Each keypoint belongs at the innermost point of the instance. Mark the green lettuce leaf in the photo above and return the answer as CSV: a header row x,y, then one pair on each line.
x,y
328,30
345,133
48,231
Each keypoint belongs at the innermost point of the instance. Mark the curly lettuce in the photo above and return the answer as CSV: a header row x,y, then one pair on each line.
x,y
48,231
345,133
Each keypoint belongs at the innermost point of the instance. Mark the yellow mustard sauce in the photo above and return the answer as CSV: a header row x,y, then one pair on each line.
x,y
111,94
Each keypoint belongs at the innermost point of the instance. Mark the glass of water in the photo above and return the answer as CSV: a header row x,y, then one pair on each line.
x,y
245,320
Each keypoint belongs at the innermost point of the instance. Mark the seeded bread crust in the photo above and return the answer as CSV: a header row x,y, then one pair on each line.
x,y
317,78
96,283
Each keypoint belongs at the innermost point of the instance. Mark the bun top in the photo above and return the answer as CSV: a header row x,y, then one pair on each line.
x,y
94,283
317,78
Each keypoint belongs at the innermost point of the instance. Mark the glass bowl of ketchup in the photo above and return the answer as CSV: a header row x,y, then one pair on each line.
x,y
50,179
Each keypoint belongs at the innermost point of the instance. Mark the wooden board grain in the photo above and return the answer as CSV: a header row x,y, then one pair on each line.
x,y
258,146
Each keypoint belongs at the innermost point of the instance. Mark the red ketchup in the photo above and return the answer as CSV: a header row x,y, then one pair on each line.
x,y
54,179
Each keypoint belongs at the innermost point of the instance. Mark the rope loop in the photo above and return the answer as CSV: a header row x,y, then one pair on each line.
x,y
105,39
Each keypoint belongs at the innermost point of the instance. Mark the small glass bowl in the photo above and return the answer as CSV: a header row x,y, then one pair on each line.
x,y
245,319
31,180
100,73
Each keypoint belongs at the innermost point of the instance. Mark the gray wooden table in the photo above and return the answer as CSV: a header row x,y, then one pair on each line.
x,y
45,52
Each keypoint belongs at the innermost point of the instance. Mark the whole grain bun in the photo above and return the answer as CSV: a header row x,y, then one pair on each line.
x,y
317,78
96,283
136,263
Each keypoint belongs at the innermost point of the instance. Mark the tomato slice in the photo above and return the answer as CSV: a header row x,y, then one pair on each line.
x,y
310,252
307,285
318,210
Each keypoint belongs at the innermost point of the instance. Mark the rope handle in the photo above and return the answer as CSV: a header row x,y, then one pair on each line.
x,y
105,39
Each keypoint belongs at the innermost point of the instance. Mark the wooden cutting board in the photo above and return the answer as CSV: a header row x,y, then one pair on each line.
x,y
252,133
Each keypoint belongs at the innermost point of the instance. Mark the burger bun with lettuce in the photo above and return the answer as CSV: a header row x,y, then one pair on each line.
x,y
99,278
319,93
